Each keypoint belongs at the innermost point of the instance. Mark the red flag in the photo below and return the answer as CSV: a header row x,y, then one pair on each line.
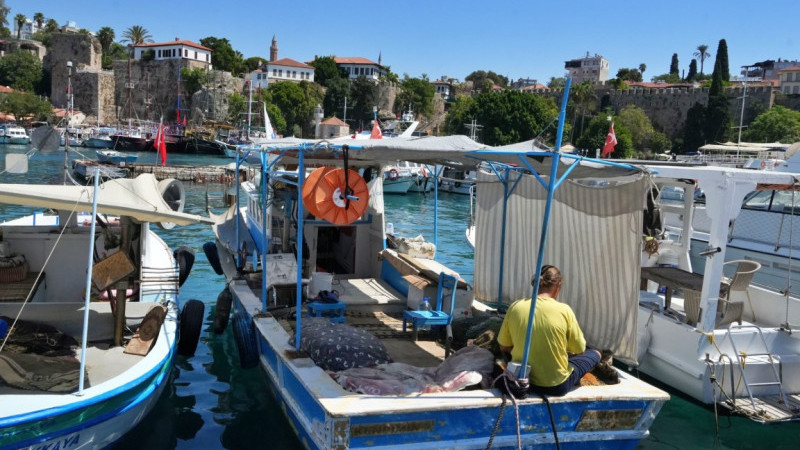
x,y
160,144
178,120
611,141
376,132
184,120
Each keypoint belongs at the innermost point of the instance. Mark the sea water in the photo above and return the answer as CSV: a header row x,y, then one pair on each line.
x,y
212,403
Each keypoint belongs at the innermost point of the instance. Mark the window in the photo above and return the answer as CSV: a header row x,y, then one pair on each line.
x,y
186,52
207,57
796,90
274,72
294,74
195,55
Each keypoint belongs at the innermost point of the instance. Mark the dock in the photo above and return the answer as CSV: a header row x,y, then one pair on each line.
x,y
222,174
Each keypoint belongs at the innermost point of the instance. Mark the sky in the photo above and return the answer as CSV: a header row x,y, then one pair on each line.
x,y
517,39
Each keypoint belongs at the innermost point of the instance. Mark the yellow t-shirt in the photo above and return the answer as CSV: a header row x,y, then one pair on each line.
x,y
555,333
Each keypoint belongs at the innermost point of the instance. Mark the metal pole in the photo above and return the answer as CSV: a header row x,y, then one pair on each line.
x,y
301,176
545,225
239,261
88,290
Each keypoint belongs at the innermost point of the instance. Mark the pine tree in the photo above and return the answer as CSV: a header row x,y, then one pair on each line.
x,y
673,67
722,58
718,120
692,70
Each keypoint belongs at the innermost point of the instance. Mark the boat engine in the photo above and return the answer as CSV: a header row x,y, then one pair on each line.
x,y
174,195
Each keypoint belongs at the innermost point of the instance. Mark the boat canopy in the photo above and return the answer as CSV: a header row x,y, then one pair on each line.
x,y
139,198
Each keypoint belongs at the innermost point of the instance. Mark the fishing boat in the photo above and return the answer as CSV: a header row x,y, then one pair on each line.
x,y
100,138
297,241
90,316
115,157
13,134
718,332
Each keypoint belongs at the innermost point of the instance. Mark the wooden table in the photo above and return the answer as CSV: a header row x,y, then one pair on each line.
x,y
672,278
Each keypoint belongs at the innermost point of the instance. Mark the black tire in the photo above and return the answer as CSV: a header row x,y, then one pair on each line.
x,y
245,336
222,311
210,249
190,326
185,257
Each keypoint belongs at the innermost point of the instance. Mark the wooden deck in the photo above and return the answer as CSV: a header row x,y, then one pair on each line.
x,y
767,409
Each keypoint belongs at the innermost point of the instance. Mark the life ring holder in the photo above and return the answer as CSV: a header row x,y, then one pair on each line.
x,y
339,196
763,164
392,174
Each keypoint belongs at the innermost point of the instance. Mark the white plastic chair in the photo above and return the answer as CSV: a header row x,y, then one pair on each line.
x,y
740,281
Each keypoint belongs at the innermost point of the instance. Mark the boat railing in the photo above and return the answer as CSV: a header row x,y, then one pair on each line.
x,y
158,280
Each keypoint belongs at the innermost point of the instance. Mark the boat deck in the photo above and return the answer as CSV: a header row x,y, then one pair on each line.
x,y
766,409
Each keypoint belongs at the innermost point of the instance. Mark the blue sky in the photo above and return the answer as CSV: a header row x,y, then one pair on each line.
x,y
445,37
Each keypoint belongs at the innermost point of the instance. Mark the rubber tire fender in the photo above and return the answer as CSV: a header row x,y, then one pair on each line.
x,y
245,335
184,256
212,254
222,311
191,324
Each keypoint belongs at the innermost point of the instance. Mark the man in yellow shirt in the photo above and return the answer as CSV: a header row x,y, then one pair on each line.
x,y
558,356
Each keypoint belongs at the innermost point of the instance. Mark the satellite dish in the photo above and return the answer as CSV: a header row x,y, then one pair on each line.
x,y
45,138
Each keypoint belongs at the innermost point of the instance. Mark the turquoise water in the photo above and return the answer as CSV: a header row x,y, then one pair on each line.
x,y
212,403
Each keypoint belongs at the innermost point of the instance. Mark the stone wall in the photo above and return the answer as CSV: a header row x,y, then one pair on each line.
x,y
94,95
150,92
85,53
667,108
211,102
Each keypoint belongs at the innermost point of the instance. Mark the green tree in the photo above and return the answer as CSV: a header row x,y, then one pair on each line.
x,y
636,121
20,19
136,35
778,124
51,26
668,78
642,68
116,51
718,119
26,106
223,56
557,83
693,130
364,98
583,95
627,74
702,53
595,138
722,59
106,37
276,118
673,66
692,71
193,79
296,102
507,116
415,94
4,11
21,71
326,69
479,80
336,91
254,62
39,19
237,107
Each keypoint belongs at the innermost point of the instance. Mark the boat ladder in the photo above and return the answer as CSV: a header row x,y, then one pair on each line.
x,y
780,407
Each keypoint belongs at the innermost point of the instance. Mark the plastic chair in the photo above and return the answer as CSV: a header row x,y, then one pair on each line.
x,y
740,281
436,317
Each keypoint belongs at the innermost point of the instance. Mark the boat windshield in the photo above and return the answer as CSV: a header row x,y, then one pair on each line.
x,y
786,202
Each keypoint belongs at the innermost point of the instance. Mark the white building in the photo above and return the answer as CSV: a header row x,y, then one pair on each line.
x,y
790,80
589,68
357,67
176,49
29,28
286,69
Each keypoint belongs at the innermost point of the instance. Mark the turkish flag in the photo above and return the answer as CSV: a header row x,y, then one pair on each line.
x,y
611,141
376,131
160,144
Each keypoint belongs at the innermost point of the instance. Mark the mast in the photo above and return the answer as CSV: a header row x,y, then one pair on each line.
x,y
69,119
249,108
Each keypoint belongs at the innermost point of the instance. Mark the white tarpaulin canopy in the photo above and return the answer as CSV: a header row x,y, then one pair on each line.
x,y
138,198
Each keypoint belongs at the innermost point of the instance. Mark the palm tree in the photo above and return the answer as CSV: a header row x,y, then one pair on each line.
x,y
51,26
39,19
136,35
20,21
642,68
106,37
702,54
582,93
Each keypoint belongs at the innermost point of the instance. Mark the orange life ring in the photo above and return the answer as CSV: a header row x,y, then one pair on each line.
x,y
392,174
763,164
330,201
310,188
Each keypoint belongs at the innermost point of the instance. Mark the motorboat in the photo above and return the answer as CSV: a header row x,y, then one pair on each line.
x,y
91,317
13,134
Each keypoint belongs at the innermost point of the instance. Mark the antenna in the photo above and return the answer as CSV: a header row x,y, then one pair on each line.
x,y
473,128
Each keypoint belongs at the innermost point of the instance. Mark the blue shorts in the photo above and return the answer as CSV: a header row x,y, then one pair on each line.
x,y
581,365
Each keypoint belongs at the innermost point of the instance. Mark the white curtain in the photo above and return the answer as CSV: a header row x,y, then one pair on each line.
x,y
594,237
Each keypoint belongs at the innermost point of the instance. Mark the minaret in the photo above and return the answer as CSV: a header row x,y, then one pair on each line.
x,y
273,50
379,59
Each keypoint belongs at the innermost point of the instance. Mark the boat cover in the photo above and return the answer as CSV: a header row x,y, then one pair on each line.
x,y
594,238
138,198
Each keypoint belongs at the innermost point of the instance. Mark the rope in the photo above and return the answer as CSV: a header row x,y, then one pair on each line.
x,y
552,420
497,422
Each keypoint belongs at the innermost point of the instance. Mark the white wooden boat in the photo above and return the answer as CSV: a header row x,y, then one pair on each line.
x,y
112,390
372,291
692,343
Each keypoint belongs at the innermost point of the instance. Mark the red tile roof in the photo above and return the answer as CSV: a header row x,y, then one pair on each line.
x,y
354,60
5,90
536,87
176,42
286,62
333,121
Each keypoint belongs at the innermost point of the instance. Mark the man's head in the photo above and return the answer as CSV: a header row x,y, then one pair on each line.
x,y
549,280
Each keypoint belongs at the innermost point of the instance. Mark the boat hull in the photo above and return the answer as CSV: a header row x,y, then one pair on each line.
x,y
15,140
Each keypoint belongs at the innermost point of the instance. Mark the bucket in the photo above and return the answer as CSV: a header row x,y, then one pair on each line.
x,y
320,281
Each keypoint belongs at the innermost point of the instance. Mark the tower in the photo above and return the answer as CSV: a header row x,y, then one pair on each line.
x,y
273,50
